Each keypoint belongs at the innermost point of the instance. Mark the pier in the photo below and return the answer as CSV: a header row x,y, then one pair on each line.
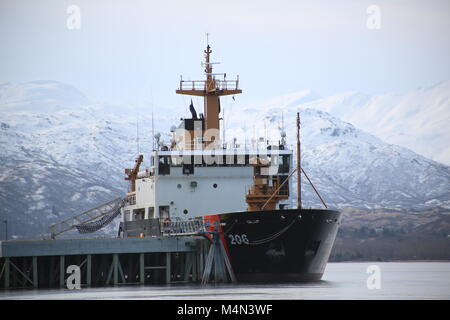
x,y
37,264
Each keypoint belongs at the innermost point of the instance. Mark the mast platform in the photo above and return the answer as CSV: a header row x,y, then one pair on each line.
x,y
202,87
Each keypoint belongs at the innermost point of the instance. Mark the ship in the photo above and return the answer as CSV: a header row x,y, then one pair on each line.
x,y
244,189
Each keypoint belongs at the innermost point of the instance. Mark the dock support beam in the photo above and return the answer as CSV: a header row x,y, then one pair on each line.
x,y
218,259
141,268
168,269
62,271
88,270
7,272
35,273
116,269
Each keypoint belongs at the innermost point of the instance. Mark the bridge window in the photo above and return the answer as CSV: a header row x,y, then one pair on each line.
x,y
283,164
164,165
177,161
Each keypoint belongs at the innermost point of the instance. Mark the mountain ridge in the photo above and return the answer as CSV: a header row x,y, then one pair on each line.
x,y
79,151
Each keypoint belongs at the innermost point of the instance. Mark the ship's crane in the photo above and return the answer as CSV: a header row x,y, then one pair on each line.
x,y
133,173
94,219
89,221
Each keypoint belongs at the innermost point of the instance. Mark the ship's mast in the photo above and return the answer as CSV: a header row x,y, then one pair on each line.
x,y
210,89
299,166
212,100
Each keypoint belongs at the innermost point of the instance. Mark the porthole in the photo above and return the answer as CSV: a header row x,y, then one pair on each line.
x,y
179,186
185,211
215,185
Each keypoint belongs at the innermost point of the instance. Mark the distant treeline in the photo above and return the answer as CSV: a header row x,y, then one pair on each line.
x,y
385,244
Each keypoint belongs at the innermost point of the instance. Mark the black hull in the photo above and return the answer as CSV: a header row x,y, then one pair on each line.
x,y
290,245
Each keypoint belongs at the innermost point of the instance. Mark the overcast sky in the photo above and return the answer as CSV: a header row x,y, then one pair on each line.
x,y
137,50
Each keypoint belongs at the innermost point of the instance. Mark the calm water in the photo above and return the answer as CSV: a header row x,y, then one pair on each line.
x,y
405,280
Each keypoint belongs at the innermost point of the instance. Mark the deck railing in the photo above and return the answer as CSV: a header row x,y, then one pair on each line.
x,y
201,85
180,227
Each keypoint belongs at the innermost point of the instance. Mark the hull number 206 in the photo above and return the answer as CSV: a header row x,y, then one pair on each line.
x,y
236,239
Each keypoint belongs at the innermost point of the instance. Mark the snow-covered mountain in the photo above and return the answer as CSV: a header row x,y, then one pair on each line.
x,y
417,120
352,168
39,96
61,153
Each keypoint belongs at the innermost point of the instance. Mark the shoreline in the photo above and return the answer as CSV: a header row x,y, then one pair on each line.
x,y
375,261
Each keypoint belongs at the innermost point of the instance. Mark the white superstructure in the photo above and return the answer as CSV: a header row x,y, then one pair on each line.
x,y
171,188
